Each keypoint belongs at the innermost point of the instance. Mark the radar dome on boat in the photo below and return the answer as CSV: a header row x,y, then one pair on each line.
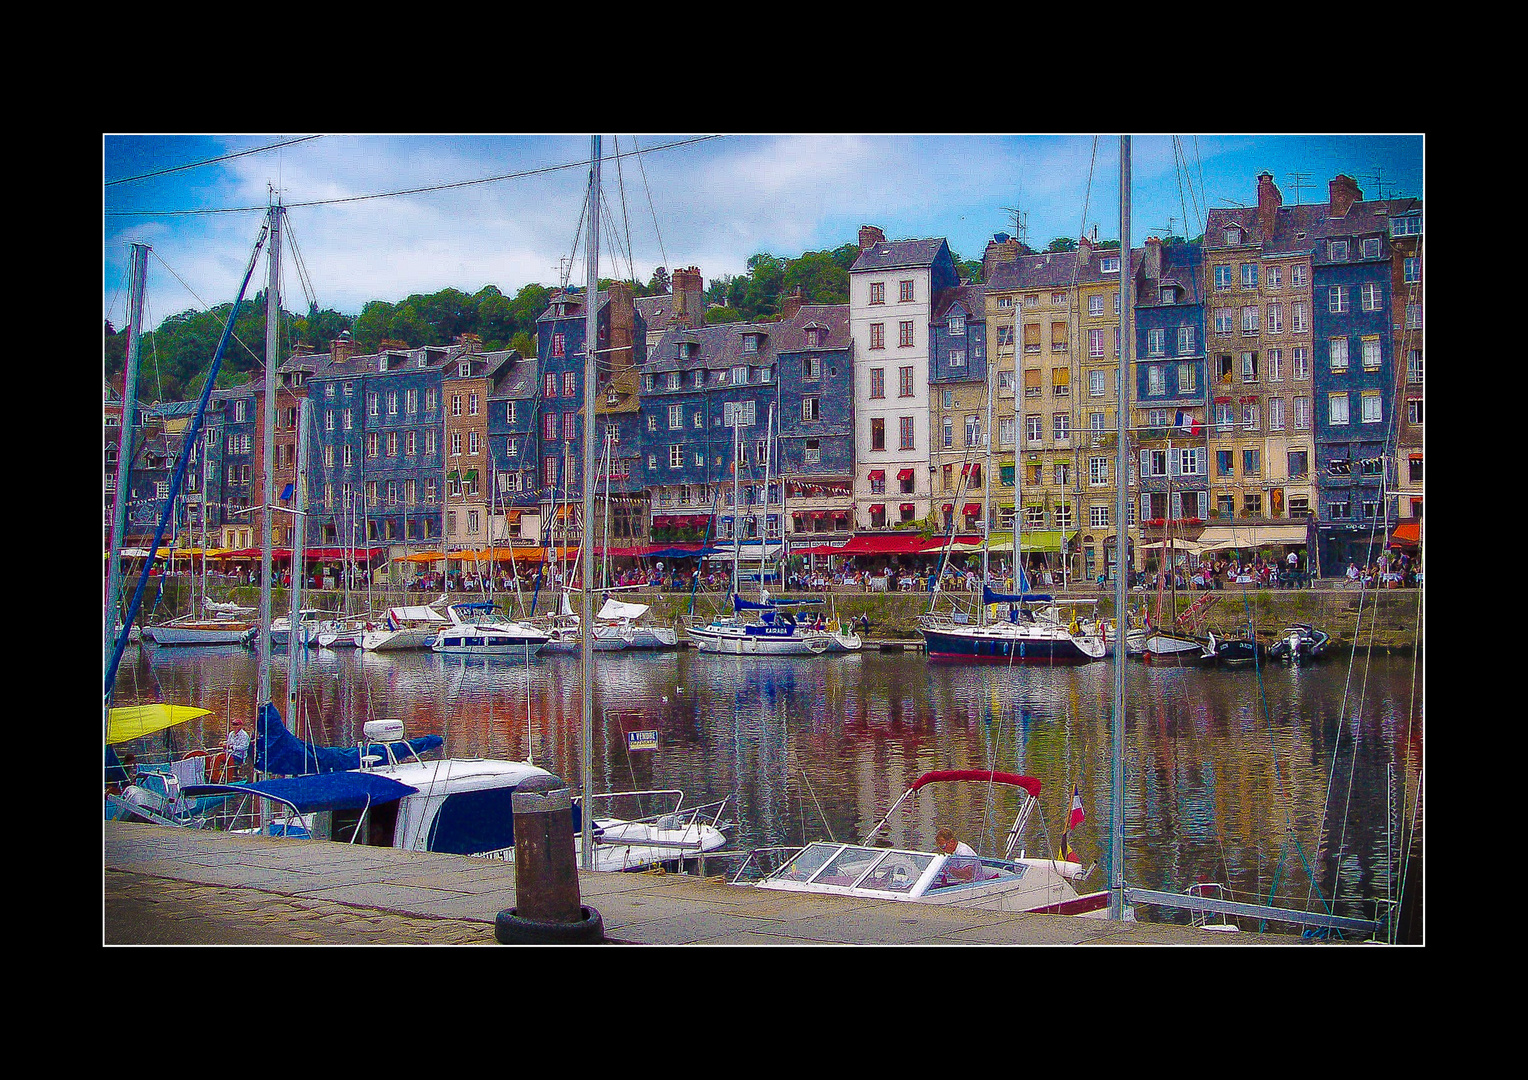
x,y
384,730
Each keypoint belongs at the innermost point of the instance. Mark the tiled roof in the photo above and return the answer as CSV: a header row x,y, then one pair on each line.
x,y
898,254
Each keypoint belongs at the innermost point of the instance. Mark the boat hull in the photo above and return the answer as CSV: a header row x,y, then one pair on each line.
x,y
1017,645
757,641
198,634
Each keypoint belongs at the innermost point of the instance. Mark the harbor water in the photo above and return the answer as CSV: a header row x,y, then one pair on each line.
x,y
1294,787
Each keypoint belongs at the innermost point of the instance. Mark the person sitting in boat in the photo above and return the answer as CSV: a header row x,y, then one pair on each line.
x,y
962,865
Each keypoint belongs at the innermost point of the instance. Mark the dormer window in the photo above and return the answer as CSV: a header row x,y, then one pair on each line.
x,y
1234,235
957,325
464,370
1337,250
751,342
1169,294
1108,264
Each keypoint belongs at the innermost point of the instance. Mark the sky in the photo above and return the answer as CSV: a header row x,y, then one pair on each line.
x,y
383,217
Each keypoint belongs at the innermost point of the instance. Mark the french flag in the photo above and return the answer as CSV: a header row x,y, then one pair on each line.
x,y
1186,424
1077,815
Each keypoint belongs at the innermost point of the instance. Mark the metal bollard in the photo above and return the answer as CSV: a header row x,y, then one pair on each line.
x,y
547,911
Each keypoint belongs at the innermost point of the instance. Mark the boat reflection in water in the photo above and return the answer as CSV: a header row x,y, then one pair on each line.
x,y
1227,769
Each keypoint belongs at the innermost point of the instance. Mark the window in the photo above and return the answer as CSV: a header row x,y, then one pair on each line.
x,y
905,382
411,443
1275,318
877,382
1222,279
1249,320
974,430
877,433
1371,247
1097,382
811,368
1275,369
1297,276
1098,472
1153,379
947,397
1274,277
1095,306
1302,414
905,291
957,358
392,403
1406,226
877,335
877,292
570,425
1061,382
1061,425
810,408
676,417
472,404
813,452
1300,363
1108,264
1337,353
1005,429
1298,320
1412,269
948,433
1249,367
1188,461
456,404
1249,275
1337,301
906,425
1062,473
1368,296
1414,366
1032,430
741,413
1413,410
1185,340
957,325
1337,250
373,444
569,384
1251,415
1371,353
473,446
1299,464
1337,409
905,333
1096,344
1252,463
1276,414
1223,320
1413,316
1156,342
1372,407
371,405
676,456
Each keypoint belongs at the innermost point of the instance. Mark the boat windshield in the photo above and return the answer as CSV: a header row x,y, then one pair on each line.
x,y
857,867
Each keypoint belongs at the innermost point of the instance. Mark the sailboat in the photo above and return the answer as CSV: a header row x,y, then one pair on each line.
x,y
767,626
207,623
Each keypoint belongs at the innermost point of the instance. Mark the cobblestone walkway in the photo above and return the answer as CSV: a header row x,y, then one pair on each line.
x,y
143,910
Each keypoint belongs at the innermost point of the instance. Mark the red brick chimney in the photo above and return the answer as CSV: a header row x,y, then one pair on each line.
x,y
622,325
869,236
1343,194
689,297
470,342
791,305
1268,202
343,348
1153,260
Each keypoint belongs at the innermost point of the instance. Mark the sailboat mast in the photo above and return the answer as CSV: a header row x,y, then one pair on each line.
x,y
987,492
137,275
272,349
1121,546
586,638
764,536
299,564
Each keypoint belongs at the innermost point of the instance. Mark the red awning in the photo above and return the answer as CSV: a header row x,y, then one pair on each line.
x,y
905,474
905,506
889,544
877,474
973,508
947,507
1407,532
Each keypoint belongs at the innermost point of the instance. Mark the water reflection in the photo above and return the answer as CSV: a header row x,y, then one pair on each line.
x,y
1268,781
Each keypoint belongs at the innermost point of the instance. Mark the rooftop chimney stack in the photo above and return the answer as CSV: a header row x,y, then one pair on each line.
x,y
1268,202
1343,194
869,236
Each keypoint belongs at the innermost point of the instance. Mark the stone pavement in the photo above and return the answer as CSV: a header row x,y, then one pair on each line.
x,y
164,886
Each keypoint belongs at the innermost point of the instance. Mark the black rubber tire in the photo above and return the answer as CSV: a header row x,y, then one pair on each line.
x,y
510,929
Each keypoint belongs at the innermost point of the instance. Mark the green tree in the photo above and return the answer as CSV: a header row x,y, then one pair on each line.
x,y
1062,243
820,277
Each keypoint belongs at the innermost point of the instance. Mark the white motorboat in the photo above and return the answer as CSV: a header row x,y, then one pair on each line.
x,y
190,630
1010,883
626,620
477,630
405,628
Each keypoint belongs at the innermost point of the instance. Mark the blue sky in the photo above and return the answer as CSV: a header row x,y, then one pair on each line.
x,y
710,202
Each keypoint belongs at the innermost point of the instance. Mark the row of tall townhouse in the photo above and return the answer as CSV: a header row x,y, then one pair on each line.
x,y
1275,398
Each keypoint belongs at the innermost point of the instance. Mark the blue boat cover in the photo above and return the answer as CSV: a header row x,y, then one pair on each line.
x,y
277,750
325,791
739,604
990,597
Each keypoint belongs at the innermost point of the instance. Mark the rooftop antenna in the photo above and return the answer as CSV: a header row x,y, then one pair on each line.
x,y
1297,181
1020,223
1379,182
1165,231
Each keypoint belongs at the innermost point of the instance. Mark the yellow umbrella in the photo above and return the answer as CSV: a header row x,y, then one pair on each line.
x,y
134,721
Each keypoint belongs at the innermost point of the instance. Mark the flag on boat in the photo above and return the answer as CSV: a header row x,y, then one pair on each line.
x,y
1066,854
1077,815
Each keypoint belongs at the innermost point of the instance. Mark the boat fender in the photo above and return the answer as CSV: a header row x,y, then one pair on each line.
x,y
510,929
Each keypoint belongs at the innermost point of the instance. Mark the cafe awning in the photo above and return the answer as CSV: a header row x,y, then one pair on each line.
x,y
888,544
1222,537
1407,534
